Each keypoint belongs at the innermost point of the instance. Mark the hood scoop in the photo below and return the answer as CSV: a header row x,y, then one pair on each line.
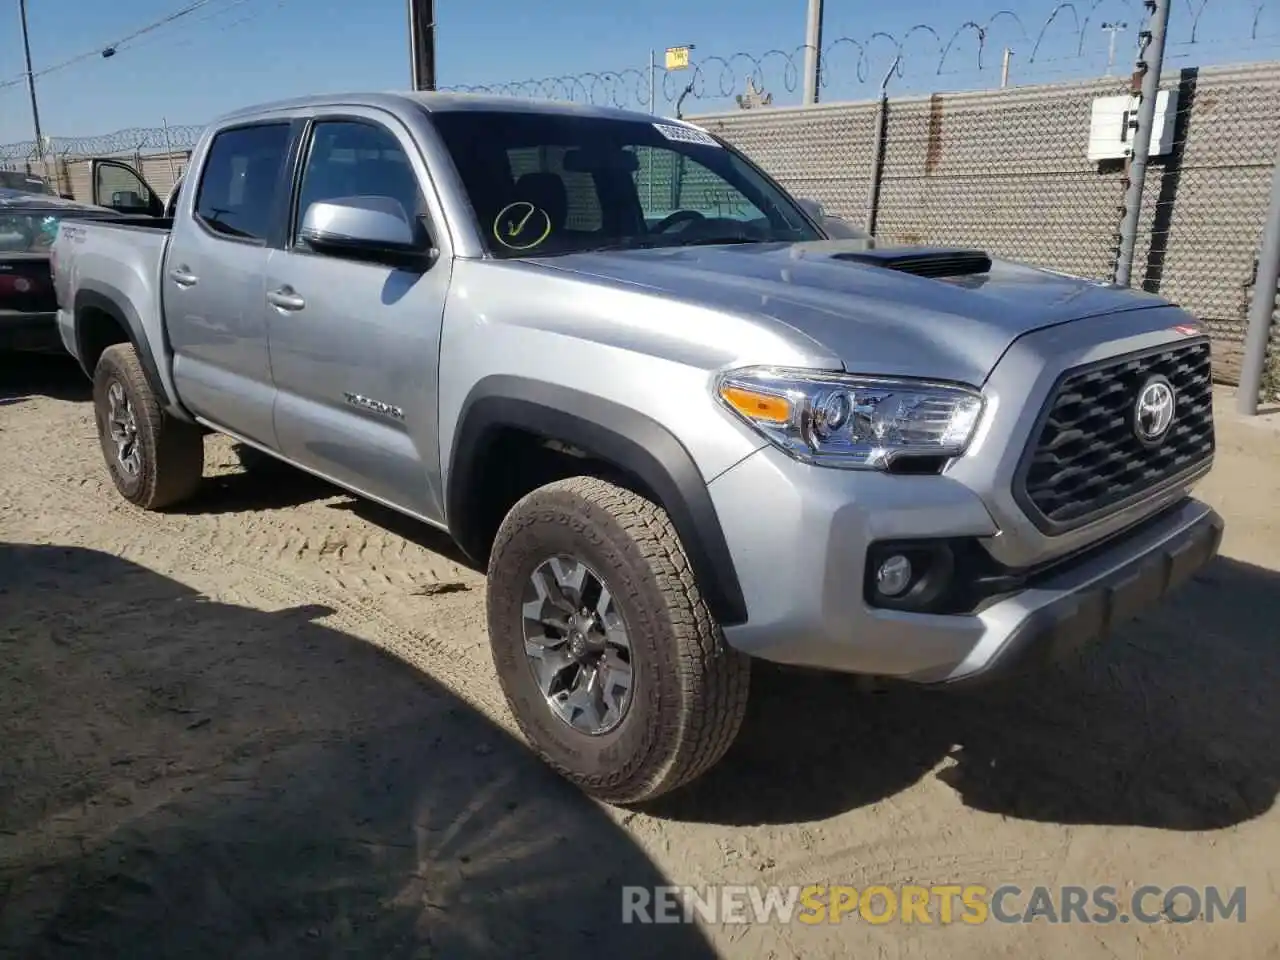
x,y
934,262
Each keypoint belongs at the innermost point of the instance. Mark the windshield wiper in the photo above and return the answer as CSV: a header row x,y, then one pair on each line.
x,y
633,244
639,244
717,241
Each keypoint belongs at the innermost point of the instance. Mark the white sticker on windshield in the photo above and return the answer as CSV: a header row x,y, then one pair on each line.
x,y
684,134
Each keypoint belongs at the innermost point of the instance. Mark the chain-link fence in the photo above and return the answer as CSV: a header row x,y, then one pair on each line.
x,y
1009,171
1005,170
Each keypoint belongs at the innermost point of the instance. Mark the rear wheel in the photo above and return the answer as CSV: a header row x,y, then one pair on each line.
x,y
155,459
612,664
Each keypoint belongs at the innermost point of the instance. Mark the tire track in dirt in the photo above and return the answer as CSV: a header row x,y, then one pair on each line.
x,y
277,514
374,607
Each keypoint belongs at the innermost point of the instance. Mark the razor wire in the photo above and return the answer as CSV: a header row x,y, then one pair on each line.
x,y
844,60
133,140
941,52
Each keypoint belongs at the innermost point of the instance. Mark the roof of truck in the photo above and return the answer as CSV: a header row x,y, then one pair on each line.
x,y
436,102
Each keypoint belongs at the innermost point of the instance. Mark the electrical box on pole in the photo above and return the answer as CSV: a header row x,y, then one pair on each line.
x,y
1111,126
422,43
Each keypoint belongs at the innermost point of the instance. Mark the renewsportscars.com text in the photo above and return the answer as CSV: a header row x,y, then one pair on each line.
x,y
941,904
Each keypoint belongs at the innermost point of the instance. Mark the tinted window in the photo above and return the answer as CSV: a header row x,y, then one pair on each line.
x,y
542,184
350,159
240,180
32,232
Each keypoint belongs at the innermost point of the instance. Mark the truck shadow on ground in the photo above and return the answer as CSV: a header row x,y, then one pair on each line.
x,y
181,777
27,375
1169,724
267,484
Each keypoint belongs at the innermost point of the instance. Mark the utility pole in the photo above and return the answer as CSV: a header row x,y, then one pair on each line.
x,y
31,79
1150,60
1113,29
1004,68
653,111
422,43
653,75
812,51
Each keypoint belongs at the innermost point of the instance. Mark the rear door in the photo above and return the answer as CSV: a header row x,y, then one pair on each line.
x,y
355,344
120,187
228,214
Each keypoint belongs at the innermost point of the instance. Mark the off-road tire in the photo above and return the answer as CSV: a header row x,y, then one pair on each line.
x,y
690,687
171,450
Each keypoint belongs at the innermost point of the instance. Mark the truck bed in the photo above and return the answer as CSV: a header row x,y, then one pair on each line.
x,y
125,255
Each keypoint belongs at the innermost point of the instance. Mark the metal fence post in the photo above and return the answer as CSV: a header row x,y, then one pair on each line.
x,y
1150,60
878,147
812,51
1263,307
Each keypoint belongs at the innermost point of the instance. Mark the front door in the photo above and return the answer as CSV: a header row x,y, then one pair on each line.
x,y
120,187
213,281
354,343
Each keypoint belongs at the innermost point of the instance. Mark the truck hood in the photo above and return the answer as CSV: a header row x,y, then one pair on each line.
x,y
875,319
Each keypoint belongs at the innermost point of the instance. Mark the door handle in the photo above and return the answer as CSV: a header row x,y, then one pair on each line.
x,y
183,276
285,299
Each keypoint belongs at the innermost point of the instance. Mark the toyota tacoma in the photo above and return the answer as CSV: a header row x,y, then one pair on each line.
x,y
681,420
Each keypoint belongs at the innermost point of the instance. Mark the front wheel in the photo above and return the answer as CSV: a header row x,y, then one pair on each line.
x,y
611,662
155,459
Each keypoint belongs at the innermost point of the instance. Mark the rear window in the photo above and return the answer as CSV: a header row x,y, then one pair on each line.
x,y
241,177
31,232
27,232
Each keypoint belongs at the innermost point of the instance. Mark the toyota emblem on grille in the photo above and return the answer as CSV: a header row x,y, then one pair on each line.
x,y
1153,412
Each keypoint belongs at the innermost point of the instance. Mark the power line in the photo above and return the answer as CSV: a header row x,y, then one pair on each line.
x,y
114,45
213,15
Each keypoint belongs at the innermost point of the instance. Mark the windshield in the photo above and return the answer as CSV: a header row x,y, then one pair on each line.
x,y
543,184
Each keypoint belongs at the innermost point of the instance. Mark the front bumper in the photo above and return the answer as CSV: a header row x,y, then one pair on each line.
x,y
801,561
33,332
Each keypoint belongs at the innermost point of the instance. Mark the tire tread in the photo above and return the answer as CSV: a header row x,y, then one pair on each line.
x,y
713,678
176,457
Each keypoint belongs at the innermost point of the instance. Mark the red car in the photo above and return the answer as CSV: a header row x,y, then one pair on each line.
x,y
28,223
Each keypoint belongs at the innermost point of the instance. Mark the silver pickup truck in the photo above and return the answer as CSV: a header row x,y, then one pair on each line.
x,y
682,422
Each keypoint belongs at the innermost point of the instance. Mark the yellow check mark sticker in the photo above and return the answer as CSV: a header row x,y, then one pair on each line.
x,y
515,229
521,219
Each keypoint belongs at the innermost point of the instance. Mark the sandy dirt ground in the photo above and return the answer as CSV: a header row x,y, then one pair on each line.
x,y
267,726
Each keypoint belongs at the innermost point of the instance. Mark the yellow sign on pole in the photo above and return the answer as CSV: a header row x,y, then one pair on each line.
x,y
678,58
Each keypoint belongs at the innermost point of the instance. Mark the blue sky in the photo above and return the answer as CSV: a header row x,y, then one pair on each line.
x,y
235,52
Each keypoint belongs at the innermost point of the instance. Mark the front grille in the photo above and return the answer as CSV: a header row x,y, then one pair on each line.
x,y
1085,458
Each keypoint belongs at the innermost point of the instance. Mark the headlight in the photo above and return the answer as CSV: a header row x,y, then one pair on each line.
x,y
853,422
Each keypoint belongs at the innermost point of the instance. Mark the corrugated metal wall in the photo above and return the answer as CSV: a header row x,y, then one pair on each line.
x,y
1007,171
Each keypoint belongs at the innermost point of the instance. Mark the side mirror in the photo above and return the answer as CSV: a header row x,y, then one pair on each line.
x,y
812,207
376,226
838,229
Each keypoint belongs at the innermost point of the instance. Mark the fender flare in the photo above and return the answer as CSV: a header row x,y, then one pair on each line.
x,y
609,432
123,315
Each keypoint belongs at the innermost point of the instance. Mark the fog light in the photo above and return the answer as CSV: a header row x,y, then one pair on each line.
x,y
894,576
